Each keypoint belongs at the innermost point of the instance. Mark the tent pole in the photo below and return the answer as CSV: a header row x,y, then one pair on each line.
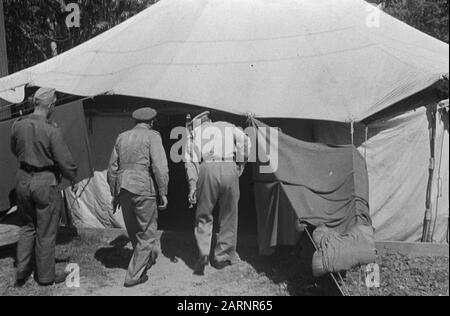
x,y
3,51
439,179
352,132
427,234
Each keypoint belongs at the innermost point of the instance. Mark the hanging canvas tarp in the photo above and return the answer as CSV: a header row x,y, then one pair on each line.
x,y
313,183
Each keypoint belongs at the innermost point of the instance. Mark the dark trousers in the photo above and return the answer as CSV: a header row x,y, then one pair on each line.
x,y
39,203
140,214
218,183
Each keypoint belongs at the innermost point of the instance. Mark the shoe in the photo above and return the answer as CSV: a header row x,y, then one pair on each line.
x,y
200,266
141,280
59,278
220,265
22,280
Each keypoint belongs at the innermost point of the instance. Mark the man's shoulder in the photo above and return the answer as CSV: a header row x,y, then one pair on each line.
x,y
51,127
223,124
18,122
154,135
218,124
27,119
142,134
154,132
52,124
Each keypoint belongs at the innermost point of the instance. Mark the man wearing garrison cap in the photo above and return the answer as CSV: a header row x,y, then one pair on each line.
x,y
138,174
43,156
216,154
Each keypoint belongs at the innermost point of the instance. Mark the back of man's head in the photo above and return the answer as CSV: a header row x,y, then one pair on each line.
x,y
44,98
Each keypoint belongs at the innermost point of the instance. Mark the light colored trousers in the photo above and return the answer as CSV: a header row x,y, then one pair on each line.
x,y
140,214
218,183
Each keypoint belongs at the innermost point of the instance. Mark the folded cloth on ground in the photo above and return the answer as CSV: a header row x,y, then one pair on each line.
x,y
342,252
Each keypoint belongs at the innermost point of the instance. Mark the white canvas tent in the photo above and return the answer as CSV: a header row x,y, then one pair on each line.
x,y
398,154
328,60
310,59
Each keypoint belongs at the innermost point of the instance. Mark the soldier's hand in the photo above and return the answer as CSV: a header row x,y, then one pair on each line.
x,y
192,197
75,189
241,168
164,203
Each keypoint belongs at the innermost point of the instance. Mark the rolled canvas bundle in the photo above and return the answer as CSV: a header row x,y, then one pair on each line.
x,y
342,252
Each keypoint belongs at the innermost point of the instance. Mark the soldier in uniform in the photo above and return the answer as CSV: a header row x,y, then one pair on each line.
x,y
138,174
213,167
43,156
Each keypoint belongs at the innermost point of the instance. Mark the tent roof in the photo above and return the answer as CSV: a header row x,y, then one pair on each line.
x,y
312,59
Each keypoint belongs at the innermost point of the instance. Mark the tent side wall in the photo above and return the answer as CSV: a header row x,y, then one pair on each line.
x,y
398,158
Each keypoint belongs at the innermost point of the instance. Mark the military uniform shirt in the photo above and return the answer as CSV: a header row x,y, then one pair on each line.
x,y
215,142
137,162
39,143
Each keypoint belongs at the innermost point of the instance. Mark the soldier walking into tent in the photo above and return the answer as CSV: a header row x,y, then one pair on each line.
x,y
138,174
43,155
213,172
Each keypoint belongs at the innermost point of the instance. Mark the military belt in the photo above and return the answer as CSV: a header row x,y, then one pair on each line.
x,y
134,167
32,169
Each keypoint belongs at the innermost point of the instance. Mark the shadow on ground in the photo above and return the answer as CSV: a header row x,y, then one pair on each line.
x,y
8,252
117,256
176,248
66,235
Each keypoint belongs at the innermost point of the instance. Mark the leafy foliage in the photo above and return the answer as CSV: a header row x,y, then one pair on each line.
x,y
429,16
36,29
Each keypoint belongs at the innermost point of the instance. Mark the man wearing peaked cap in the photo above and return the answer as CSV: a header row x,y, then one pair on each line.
x,y
45,97
138,175
43,155
144,114
201,118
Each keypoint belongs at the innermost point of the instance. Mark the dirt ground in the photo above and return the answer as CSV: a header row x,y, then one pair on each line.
x,y
405,276
103,259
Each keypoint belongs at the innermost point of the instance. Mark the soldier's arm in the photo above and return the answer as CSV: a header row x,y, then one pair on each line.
x,y
113,169
192,175
243,145
62,156
159,164
13,142
191,165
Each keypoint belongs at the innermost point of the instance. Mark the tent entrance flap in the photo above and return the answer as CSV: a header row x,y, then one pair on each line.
x,y
313,183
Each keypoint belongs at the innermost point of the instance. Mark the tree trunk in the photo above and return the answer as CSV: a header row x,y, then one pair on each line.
x,y
3,54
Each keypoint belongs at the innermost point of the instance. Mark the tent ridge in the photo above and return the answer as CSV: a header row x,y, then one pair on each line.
x,y
247,40
232,62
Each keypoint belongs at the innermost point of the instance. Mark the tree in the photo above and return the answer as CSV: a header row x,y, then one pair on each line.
x,y
429,16
37,30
